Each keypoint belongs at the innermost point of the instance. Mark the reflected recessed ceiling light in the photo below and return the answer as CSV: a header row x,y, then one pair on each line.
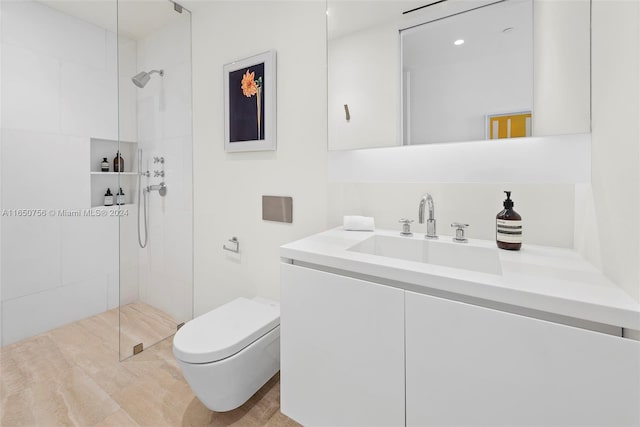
x,y
458,42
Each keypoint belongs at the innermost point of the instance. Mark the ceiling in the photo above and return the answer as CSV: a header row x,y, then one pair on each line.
x,y
132,18
349,16
498,29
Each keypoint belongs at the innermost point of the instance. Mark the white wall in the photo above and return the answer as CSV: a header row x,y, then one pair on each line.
x,y
165,130
547,210
59,89
610,229
228,186
562,81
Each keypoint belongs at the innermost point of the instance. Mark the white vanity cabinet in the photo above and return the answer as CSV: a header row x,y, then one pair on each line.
x,y
470,365
342,350
373,337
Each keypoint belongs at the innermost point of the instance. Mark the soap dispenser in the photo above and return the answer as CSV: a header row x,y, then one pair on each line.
x,y
118,163
509,226
108,198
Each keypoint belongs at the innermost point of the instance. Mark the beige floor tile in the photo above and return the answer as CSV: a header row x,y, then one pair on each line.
x,y
281,420
79,398
16,409
72,376
118,419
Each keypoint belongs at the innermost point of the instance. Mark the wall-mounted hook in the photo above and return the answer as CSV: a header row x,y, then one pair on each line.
x,y
346,112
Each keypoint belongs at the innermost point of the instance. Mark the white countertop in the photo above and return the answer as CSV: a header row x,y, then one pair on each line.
x,y
548,279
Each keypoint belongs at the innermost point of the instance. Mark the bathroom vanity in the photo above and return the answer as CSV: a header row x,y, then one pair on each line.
x,y
379,329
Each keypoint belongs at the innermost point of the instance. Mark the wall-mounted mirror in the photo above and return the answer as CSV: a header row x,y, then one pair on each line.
x,y
397,77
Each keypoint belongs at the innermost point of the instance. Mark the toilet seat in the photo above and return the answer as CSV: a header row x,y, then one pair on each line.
x,y
225,331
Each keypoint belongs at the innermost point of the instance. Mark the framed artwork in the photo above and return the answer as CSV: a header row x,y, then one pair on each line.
x,y
250,103
508,125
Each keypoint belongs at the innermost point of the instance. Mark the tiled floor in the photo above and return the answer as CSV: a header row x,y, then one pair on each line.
x,y
71,376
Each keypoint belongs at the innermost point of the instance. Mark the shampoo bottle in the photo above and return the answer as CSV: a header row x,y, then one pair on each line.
x,y
509,227
118,163
108,198
104,166
120,197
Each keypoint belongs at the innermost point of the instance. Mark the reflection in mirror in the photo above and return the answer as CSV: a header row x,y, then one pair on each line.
x,y
365,47
469,76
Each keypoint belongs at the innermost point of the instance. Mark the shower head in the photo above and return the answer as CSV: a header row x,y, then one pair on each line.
x,y
142,78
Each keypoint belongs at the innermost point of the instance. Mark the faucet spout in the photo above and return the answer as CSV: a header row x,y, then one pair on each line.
x,y
427,201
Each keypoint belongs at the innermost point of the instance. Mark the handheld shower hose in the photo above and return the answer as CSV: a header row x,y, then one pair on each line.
x,y
142,194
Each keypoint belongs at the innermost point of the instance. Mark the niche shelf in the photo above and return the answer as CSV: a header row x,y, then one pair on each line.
x,y
100,181
113,173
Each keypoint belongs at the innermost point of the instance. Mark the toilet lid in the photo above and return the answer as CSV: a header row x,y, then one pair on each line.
x,y
224,331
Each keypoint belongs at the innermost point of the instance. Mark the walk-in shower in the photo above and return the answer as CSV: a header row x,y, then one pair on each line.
x,y
80,254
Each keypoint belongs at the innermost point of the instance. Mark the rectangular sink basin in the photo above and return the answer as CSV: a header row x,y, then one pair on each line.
x,y
443,252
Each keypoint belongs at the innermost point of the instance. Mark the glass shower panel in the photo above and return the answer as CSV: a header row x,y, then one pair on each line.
x,y
155,183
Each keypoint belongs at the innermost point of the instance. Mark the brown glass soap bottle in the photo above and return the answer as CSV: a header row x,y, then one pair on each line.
x,y
509,227
118,163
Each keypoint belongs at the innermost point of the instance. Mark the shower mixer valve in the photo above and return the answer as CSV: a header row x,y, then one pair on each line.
x,y
158,160
158,173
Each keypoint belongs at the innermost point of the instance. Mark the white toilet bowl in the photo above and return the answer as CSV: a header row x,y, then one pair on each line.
x,y
227,354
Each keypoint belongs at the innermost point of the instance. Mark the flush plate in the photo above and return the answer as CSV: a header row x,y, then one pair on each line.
x,y
277,208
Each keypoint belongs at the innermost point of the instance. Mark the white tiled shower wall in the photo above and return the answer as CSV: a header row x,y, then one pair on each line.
x,y
59,89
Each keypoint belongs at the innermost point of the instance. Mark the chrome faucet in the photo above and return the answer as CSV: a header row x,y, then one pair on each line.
x,y
431,222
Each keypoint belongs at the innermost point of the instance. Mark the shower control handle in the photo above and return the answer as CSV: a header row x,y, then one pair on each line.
x,y
158,173
160,188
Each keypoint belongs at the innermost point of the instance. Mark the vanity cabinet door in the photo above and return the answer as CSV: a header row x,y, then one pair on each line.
x,y
469,365
342,350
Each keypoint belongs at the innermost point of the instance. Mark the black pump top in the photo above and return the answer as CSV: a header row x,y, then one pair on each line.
x,y
121,192
108,192
508,203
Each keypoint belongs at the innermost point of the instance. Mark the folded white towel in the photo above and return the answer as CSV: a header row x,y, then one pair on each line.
x,y
359,223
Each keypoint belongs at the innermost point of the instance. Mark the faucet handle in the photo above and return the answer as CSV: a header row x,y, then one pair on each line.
x,y
406,227
460,227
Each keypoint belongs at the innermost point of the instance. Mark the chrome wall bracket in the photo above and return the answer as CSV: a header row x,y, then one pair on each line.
x,y
235,245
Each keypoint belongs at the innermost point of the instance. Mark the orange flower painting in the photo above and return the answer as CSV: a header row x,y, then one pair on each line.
x,y
249,85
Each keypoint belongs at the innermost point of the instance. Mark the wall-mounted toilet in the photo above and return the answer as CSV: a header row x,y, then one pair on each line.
x,y
227,354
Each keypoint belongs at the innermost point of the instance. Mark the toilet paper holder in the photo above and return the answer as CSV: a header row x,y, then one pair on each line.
x,y
235,245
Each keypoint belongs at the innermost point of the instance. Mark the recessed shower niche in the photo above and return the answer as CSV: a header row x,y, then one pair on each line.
x,y
126,179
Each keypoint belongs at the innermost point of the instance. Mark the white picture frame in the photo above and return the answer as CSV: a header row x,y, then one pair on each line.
x,y
250,103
